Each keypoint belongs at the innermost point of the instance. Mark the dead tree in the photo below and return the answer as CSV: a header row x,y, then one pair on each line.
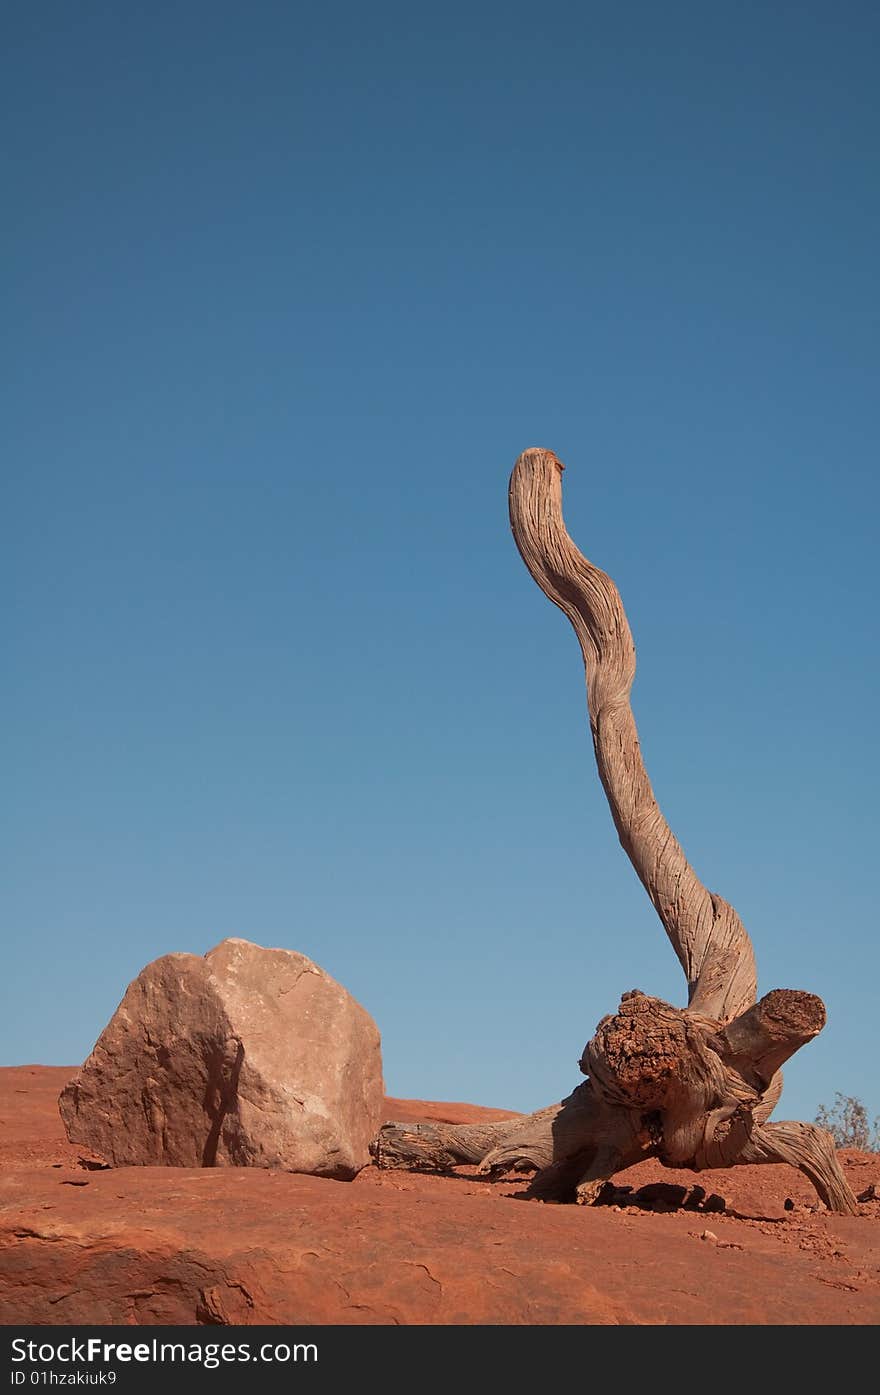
x,y
691,1086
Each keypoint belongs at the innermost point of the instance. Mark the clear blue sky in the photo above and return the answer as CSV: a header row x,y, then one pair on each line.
x,y
288,288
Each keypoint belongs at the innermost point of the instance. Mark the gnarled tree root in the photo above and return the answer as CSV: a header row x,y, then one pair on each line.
x,y
662,1082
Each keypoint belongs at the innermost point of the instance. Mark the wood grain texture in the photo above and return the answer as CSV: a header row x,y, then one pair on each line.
x,y
691,1086
706,933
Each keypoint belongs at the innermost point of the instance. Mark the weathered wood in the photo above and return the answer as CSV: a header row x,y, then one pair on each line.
x,y
710,940
436,1147
695,1107
693,1086
804,1146
761,1040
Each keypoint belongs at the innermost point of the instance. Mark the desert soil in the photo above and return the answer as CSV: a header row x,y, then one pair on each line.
x,y
82,1244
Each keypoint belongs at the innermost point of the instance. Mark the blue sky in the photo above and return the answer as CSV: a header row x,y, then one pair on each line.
x,y
287,291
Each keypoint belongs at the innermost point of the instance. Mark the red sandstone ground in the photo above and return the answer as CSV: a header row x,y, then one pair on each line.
x,y
243,1246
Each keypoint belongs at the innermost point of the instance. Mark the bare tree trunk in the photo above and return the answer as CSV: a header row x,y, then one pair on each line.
x,y
692,1086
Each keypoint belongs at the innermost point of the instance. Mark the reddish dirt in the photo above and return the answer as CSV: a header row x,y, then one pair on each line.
x,y
243,1246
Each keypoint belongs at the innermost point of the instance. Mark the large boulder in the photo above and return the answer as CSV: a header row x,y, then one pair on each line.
x,y
248,1057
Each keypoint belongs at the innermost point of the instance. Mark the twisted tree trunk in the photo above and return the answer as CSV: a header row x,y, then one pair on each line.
x,y
692,1086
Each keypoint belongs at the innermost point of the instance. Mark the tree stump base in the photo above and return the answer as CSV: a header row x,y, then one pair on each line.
x,y
663,1082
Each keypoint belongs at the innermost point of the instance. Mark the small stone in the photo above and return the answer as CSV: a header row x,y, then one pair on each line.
x,y
871,1193
708,1235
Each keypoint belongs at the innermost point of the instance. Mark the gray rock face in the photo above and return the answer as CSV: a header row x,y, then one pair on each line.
x,y
248,1057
